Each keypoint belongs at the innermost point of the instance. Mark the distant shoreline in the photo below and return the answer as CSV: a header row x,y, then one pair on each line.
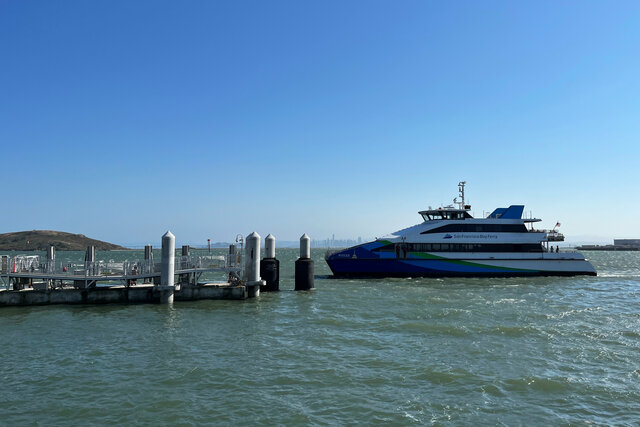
x,y
41,240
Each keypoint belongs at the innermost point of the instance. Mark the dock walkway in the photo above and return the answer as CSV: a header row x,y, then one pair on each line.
x,y
31,280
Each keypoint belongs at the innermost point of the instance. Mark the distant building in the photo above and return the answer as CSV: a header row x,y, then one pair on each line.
x,y
626,242
618,245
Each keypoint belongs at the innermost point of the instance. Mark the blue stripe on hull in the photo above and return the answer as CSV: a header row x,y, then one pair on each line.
x,y
391,267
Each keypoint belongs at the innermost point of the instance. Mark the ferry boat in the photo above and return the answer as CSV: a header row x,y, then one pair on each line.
x,y
451,242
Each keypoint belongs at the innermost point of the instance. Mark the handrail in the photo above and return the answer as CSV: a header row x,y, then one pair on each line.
x,y
33,264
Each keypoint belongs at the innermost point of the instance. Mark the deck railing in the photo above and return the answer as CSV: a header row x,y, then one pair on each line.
x,y
34,264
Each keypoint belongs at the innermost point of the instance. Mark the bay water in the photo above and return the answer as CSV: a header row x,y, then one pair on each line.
x,y
551,350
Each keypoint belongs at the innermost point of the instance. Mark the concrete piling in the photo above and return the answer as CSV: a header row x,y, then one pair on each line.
x,y
90,259
148,261
51,258
51,253
51,263
251,276
89,268
167,285
270,246
148,252
270,266
252,255
305,247
304,266
90,255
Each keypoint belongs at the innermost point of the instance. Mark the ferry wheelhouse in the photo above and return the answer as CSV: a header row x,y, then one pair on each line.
x,y
451,242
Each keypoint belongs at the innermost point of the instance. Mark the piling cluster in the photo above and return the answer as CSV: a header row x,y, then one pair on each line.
x,y
270,266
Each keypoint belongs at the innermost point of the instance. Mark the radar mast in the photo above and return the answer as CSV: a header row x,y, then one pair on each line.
x,y
461,204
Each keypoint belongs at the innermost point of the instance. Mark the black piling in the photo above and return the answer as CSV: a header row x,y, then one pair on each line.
x,y
304,266
270,266
270,273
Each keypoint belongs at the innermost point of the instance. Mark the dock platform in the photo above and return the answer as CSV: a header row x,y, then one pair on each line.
x,y
30,280
137,294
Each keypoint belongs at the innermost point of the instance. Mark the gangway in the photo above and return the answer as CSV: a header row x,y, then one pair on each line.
x,y
21,271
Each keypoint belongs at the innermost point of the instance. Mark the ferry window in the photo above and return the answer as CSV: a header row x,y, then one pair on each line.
x,y
385,248
464,247
461,227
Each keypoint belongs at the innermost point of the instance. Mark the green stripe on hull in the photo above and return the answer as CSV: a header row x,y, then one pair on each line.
x,y
426,255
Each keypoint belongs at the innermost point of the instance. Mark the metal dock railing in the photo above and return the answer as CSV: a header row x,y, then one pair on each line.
x,y
24,269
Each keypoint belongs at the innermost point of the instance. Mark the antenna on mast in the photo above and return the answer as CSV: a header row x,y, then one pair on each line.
x,y
461,204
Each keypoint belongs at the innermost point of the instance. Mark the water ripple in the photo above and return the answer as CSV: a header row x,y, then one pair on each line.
x,y
399,351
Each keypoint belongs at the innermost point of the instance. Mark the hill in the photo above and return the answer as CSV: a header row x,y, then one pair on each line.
x,y
40,240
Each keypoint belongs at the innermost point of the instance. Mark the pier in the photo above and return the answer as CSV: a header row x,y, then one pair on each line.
x,y
31,280
618,245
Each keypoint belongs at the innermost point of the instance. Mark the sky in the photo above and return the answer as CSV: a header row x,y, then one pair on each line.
x,y
121,120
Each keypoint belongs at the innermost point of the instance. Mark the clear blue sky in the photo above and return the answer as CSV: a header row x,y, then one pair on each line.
x,y
122,119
